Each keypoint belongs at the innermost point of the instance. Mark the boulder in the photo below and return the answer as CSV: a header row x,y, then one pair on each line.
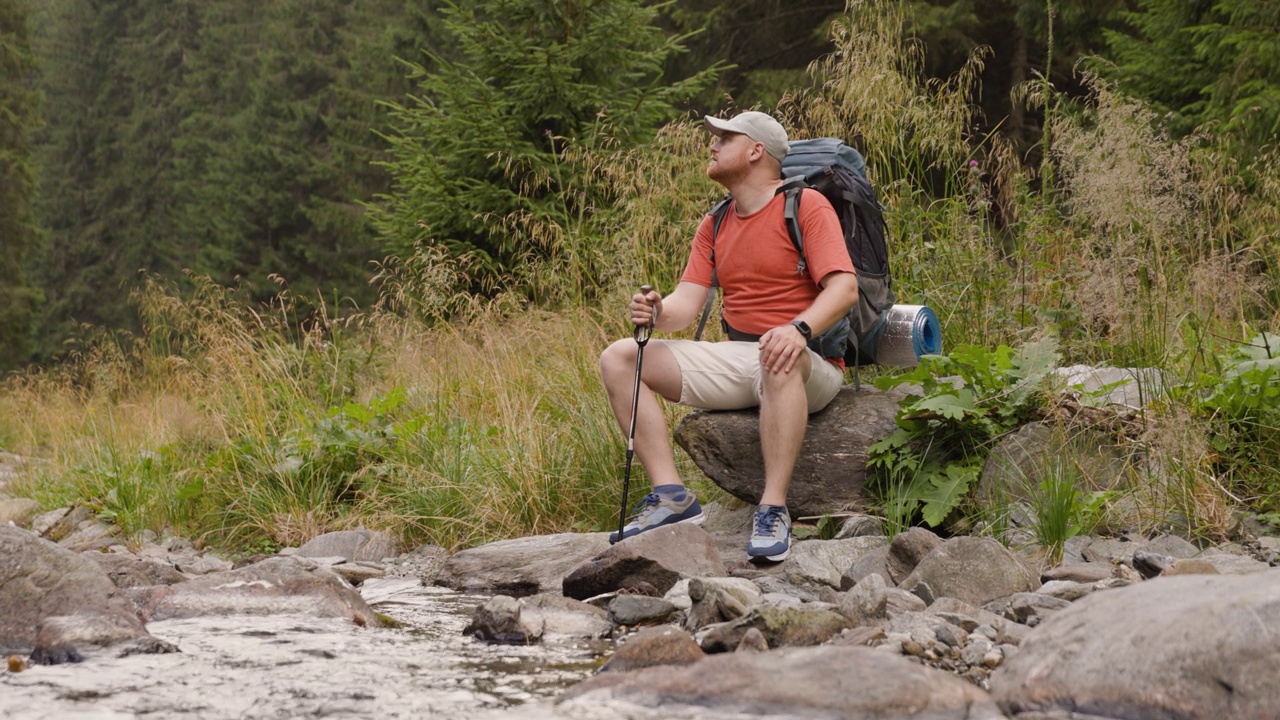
x,y
780,626
653,647
824,562
277,585
853,682
40,581
1171,647
1131,387
520,567
658,557
976,570
831,470
352,545
1022,460
907,550
127,571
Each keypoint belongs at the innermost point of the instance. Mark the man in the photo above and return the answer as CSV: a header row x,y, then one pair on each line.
x,y
766,296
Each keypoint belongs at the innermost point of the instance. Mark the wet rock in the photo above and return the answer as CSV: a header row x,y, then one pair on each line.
x,y
40,580
1185,647
973,569
67,638
357,572
831,470
653,647
352,545
781,627
276,585
556,617
632,610
659,557
497,620
520,567
795,682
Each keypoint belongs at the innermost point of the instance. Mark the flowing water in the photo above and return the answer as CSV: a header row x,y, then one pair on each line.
x,y
292,666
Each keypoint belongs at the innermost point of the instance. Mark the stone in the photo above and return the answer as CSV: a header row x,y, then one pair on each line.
x,y
831,471
1083,572
781,627
353,545
277,585
976,570
556,617
1199,646
39,581
19,511
717,600
497,620
632,610
91,536
654,647
1025,458
659,557
1130,387
522,566
1027,608
907,550
824,562
875,562
846,681
866,602
127,571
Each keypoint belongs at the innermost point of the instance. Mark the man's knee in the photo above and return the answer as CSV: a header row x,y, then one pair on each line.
x,y
619,357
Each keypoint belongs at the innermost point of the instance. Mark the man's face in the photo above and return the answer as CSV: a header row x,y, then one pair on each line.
x,y
730,156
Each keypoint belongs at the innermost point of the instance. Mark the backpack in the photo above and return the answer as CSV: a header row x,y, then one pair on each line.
x,y
839,172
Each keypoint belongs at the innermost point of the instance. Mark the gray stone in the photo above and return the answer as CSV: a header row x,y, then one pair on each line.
x,y
838,681
1084,572
1185,647
19,511
781,626
556,617
976,570
519,567
632,610
867,601
1027,608
824,562
658,557
1229,564
1067,590
40,580
1130,387
497,620
92,536
127,571
831,471
860,526
907,550
277,585
1109,551
875,562
717,600
653,647
353,545
1022,460
357,572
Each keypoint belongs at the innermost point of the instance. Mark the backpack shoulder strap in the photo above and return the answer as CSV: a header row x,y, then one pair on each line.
x,y
718,214
791,214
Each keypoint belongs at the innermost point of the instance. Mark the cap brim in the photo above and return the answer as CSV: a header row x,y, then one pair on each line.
x,y
716,126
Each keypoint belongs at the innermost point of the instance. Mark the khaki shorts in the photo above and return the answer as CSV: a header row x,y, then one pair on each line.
x,y
726,375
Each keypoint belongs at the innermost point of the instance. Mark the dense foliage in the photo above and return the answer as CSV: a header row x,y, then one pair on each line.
x,y
18,233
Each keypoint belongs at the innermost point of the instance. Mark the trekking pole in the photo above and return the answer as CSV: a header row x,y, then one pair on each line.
x,y
641,335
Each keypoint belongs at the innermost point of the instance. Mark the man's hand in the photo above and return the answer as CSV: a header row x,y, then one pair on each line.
x,y
780,348
645,308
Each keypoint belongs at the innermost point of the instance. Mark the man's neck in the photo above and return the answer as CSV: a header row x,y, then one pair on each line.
x,y
753,193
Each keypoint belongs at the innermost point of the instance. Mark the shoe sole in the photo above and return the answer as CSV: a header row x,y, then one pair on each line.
x,y
770,558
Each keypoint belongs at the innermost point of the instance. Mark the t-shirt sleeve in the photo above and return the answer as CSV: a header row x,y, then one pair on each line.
x,y
824,247
698,269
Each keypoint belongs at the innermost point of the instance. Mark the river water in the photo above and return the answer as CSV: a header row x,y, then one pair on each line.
x,y
292,666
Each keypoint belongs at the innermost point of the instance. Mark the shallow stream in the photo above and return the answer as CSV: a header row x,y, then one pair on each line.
x,y
293,666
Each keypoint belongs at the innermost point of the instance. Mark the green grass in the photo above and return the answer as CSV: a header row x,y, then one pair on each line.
x,y
448,418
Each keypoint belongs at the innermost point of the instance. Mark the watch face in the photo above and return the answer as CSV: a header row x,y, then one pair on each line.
x,y
803,327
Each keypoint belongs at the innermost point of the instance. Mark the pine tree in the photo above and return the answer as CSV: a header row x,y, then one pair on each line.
x,y
18,117
484,135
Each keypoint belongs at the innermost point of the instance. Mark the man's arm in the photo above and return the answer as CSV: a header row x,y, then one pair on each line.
x,y
675,312
781,347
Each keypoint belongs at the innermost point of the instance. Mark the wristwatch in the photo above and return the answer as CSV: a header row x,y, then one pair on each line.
x,y
804,329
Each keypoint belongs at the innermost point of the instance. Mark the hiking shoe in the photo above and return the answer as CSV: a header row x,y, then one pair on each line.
x,y
771,535
657,510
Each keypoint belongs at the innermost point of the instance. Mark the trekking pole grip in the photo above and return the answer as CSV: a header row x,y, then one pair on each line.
x,y
642,331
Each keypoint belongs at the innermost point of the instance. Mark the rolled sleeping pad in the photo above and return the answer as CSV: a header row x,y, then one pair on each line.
x,y
911,331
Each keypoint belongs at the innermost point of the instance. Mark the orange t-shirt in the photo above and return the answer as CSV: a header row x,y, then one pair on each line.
x,y
756,264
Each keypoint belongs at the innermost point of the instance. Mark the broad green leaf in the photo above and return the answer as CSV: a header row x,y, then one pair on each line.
x,y
946,490
950,406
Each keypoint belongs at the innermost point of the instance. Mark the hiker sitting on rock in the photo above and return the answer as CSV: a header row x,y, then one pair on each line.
x,y
773,311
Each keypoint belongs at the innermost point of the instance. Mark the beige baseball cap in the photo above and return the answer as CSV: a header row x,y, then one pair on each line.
x,y
756,125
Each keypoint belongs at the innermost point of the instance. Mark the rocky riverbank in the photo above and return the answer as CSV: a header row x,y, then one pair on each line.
x,y
673,623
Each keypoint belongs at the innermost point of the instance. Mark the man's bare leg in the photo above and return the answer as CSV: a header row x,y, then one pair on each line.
x,y
784,414
660,374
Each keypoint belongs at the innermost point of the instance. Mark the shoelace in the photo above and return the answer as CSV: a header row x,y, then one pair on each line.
x,y
645,503
768,520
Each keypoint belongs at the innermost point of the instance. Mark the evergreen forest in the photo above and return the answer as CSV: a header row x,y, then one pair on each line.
x,y
274,267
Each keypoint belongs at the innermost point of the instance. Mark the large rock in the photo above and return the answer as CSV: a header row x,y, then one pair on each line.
x,y
1172,647
831,471
658,557
520,567
807,624
854,683
40,581
976,570
1022,460
824,562
277,585
352,545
